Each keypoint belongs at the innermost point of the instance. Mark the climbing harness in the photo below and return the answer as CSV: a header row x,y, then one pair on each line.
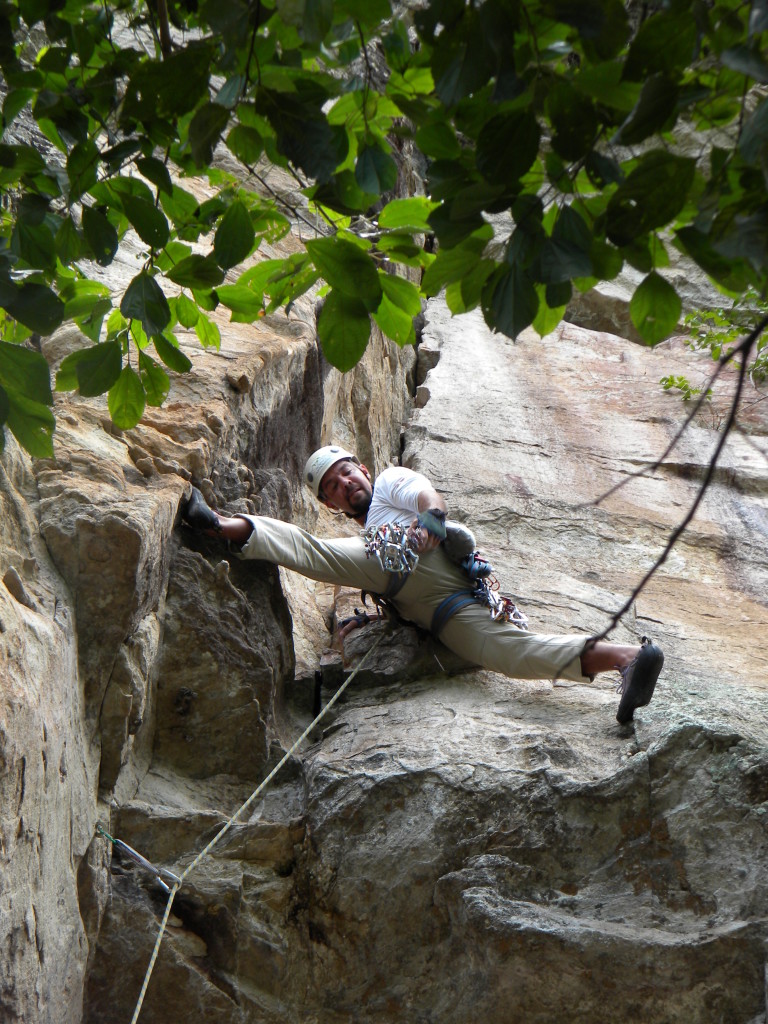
x,y
502,609
177,880
391,544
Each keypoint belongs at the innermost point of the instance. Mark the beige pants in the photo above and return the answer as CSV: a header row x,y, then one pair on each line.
x,y
470,633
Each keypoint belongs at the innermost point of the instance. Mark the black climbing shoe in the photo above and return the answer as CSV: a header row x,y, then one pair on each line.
x,y
638,680
196,513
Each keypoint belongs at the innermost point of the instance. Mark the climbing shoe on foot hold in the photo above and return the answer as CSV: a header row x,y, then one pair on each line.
x,y
638,680
196,513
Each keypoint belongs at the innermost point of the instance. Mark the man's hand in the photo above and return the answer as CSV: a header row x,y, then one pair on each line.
x,y
349,625
420,539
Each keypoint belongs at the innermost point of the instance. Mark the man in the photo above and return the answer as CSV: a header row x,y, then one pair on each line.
x,y
430,592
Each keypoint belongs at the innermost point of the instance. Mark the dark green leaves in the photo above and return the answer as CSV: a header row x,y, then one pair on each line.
x,y
650,197
144,300
126,399
601,24
510,302
25,395
205,131
348,270
375,170
91,371
25,372
234,236
149,222
653,109
35,306
567,254
507,146
655,308
100,235
344,329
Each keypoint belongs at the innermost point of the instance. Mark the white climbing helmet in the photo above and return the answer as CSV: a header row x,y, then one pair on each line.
x,y
320,462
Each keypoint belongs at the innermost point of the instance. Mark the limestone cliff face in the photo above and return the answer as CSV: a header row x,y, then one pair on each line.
x,y
446,848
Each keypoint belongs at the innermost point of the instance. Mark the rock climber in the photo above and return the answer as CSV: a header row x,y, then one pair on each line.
x,y
437,594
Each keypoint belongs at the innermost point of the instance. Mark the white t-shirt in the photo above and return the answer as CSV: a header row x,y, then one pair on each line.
x,y
396,497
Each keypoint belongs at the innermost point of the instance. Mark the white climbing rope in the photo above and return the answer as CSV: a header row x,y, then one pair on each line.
x,y
225,828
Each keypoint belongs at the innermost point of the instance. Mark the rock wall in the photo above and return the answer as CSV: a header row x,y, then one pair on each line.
x,y
447,847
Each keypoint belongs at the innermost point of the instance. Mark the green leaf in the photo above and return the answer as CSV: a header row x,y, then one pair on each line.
x,y
655,308
510,302
344,329
242,301
245,143
35,306
438,141
155,171
82,168
100,235
452,265
567,254
234,236
31,423
731,274
311,17
92,370
654,108
651,196
144,300
401,292
347,269
25,372
171,355
507,146
367,12
126,399
601,24
603,82
574,119
407,214
149,222
208,333
196,272
746,61
665,42
186,311
205,131
394,322
229,94
466,293
548,317
156,382
34,244
755,134
14,103
82,296
375,170
98,369
68,242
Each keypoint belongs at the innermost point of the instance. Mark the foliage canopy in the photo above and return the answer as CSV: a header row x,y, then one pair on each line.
x,y
549,130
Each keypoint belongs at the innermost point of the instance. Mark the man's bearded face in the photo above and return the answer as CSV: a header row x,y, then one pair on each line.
x,y
347,487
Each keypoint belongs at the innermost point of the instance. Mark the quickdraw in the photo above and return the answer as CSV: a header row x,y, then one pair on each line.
x,y
502,609
392,546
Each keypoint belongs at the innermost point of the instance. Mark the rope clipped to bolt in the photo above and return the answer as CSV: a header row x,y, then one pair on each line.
x,y
164,876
